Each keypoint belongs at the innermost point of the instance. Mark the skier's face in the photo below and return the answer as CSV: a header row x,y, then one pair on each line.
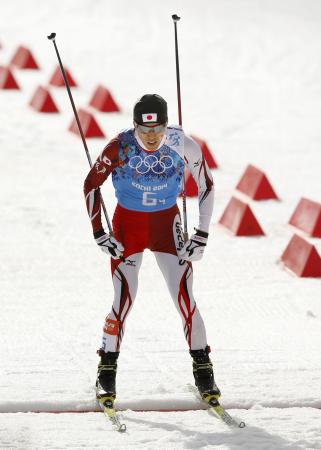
x,y
151,134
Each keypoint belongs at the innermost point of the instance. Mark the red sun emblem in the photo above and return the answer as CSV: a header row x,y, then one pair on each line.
x,y
149,117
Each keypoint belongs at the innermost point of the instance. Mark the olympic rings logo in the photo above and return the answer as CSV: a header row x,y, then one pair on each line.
x,y
151,162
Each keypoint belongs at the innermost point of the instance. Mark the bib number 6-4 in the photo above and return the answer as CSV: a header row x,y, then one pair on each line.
x,y
149,199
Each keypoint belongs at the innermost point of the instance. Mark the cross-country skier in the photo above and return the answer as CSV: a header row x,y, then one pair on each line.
x,y
147,165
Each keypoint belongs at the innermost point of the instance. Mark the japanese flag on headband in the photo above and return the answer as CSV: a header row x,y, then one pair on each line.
x,y
149,117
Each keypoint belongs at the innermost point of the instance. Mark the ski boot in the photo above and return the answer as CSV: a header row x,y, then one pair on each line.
x,y
106,378
204,376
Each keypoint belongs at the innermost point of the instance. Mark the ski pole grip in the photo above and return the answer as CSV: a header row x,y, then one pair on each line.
x,y
51,36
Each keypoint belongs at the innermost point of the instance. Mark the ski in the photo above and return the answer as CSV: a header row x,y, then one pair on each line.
x,y
217,409
106,402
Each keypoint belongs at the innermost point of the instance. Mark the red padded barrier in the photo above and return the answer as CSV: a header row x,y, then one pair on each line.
x,y
240,220
302,258
103,101
42,101
89,125
307,217
58,80
255,184
7,80
24,59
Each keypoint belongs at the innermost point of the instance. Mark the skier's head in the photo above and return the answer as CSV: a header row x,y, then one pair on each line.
x,y
150,108
150,119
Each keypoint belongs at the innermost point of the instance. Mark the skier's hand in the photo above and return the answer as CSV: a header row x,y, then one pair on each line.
x,y
110,245
194,248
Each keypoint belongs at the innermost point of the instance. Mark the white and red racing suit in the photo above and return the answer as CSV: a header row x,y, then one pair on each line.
x,y
147,184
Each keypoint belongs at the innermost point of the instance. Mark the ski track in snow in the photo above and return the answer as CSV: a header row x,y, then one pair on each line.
x,y
295,429
250,75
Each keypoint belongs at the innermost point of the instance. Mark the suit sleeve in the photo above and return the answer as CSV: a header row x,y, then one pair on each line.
x,y
104,165
200,171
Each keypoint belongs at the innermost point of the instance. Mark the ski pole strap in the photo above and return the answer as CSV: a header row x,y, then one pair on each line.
x,y
201,233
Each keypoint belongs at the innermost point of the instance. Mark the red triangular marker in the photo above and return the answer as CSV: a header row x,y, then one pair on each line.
x,y
240,220
255,185
302,258
103,101
42,101
89,125
24,59
58,80
307,217
7,80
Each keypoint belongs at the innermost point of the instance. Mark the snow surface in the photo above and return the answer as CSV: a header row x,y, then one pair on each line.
x,y
251,86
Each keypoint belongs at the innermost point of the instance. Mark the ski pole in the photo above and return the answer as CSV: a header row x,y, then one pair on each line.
x,y
175,20
51,37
